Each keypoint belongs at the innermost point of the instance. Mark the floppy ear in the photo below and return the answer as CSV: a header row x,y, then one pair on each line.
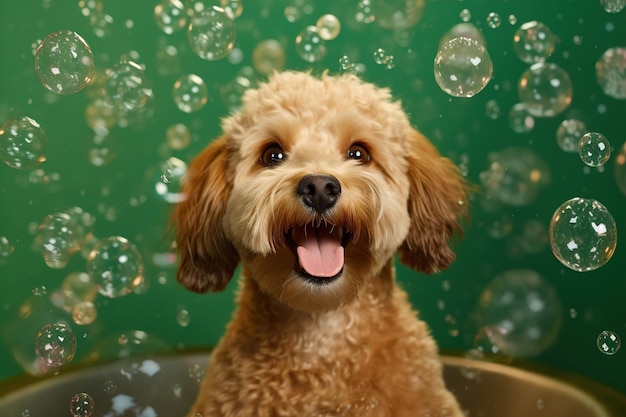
x,y
208,259
437,202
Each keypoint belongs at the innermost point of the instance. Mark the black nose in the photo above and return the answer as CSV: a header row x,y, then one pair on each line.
x,y
319,192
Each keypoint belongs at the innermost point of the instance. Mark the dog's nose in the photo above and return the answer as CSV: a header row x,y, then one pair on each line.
x,y
319,192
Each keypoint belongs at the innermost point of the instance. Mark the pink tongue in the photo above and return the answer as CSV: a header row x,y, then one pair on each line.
x,y
319,251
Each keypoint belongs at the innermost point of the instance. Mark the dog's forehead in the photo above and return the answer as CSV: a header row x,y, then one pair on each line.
x,y
317,101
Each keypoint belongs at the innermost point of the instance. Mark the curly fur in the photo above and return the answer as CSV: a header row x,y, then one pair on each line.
x,y
350,347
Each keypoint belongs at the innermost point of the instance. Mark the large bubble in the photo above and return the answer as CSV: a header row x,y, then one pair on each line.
x,y
462,67
534,42
64,62
127,87
545,89
583,234
613,6
116,266
23,143
58,238
611,72
211,34
515,176
522,310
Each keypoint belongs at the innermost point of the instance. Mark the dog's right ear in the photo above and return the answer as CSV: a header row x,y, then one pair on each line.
x,y
207,259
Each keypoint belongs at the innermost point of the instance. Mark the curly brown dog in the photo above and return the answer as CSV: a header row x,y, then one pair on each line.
x,y
313,187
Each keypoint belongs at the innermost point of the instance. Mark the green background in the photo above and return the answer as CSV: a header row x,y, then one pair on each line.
x,y
459,127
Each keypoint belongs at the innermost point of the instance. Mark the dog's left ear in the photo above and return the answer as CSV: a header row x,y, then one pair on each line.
x,y
207,258
437,203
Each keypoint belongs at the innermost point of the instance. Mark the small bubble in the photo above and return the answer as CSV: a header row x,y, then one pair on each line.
x,y
493,20
583,234
520,120
178,136
364,13
196,372
569,133
58,239
492,108
512,19
55,344
345,65
26,413
573,313
64,62
190,93
540,404
211,34
328,27
23,143
116,266
310,45
109,387
82,405
183,318
40,291
6,249
268,56
609,342
84,313
594,149
170,16
127,87
613,6
611,72
465,15
534,42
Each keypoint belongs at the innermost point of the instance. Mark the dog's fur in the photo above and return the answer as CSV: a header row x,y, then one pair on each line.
x,y
303,345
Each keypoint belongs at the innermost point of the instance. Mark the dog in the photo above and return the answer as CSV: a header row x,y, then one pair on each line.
x,y
314,185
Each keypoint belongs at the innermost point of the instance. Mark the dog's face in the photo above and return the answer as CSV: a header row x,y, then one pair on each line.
x,y
314,186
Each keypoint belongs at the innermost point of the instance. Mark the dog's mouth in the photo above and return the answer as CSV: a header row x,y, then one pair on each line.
x,y
319,251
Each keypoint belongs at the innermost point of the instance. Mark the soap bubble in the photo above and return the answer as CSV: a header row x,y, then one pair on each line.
x,y
545,90
268,56
524,309
64,62
494,20
381,57
462,67
492,109
84,313
212,34
170,16
116,266
608,342
82,405
23,143
346,66
190,93
232,8
127,86
611,72
515,176
520,120
310,45
613,6
397,14
6,249
183,318
328,27
178,136
58,238
594,149
534,42
569,134
168,187
55,344
364,12
583,235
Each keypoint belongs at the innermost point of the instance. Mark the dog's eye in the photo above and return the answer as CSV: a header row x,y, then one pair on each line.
x,y
359,153
273,155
